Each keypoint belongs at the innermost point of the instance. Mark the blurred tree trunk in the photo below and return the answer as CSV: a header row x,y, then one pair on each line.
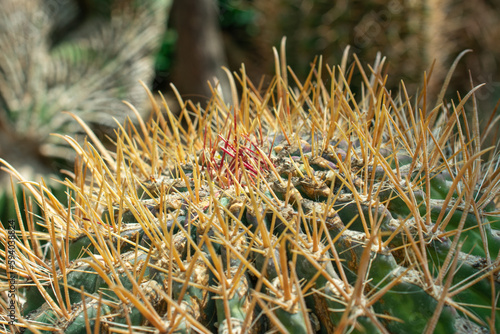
x,y
199,50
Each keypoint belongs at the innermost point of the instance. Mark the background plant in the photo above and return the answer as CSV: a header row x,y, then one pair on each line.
x,y
77,56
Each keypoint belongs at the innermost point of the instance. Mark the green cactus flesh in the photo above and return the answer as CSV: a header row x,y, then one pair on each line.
x,y
303,208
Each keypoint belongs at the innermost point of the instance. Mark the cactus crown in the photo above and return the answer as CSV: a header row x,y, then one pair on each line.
x,y
303,207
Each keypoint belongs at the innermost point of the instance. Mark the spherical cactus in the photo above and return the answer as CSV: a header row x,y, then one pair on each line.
x,y
303,208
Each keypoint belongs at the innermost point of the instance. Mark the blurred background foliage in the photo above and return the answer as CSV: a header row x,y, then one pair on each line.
x,y
79,56
189,42
412,34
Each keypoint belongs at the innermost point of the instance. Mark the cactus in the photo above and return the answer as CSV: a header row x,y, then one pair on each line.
x,y
304,208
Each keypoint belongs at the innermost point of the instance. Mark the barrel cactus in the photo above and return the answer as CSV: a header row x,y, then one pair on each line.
x,y
302,208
